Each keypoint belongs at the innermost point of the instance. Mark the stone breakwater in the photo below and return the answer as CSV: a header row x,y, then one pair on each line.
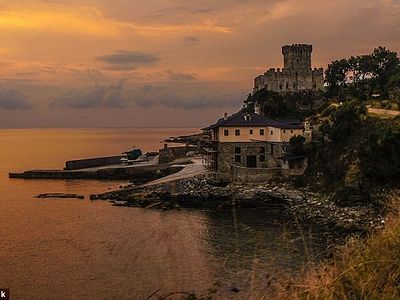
x,y
204,194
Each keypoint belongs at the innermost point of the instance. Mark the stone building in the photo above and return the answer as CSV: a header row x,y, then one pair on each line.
x,y
296,75
249,147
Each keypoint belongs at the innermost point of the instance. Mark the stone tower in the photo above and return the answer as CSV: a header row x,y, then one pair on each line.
x,y
296,75
297,57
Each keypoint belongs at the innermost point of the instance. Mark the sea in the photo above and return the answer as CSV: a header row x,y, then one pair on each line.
x,y
83,249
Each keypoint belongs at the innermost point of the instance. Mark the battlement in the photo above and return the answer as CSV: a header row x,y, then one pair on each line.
x,y
318,71
296,48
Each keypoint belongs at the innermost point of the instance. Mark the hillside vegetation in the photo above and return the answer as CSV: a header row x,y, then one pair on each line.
x,y
353,154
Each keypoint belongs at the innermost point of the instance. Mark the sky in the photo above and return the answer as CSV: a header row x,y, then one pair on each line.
x,y
159,63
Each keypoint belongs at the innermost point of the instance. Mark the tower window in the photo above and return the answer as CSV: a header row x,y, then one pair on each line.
x,y
284,131
272,132
237,132
261,131
237,150
280,86
294,85
226,132
251,131
314,85
287,86
262,158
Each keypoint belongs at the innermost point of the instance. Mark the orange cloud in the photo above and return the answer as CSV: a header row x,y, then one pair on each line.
x,y
90,20
81,21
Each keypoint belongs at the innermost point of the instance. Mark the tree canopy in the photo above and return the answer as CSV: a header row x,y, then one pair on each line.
x,y
363,76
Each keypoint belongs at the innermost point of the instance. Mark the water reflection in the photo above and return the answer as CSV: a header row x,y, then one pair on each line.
x,y
253,244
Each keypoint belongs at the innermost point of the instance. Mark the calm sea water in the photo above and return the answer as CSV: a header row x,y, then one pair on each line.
x,y
82,249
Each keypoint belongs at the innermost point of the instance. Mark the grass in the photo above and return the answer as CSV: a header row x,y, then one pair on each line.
x,y
363,269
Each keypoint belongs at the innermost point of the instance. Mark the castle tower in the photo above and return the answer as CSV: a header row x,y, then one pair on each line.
x,y
297,74
297,57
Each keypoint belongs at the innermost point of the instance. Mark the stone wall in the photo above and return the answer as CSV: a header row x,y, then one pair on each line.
x,y
228,156
287,80
248,175
231,162
92,162
169,154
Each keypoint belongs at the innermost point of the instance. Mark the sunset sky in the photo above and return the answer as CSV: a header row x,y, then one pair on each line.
x,y
159,63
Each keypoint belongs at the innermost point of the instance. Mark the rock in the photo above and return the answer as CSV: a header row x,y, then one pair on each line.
x,y
60,195
120,203
202,193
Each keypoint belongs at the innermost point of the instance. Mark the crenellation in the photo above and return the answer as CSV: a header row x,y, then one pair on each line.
x,y
296,74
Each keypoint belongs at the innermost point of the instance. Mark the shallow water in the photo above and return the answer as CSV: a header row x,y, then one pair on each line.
x,y
82,249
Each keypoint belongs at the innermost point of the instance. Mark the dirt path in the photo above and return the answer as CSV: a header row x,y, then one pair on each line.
x,y
386,113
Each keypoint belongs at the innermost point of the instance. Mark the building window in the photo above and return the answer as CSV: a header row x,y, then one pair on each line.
x,y
272,132
272,149
280,86
284,131
261,131
237,158
291,131
287,86
262,149
226,132
262,158
294,85
314,85
237,150
251,131
237,132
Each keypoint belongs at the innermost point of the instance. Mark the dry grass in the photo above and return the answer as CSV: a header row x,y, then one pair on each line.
x,y
363,269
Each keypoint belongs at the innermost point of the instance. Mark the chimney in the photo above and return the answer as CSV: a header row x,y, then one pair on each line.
x,y
225,116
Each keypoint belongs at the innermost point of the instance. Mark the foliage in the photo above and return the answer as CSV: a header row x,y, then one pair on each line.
x,y
353,153
344,121
297,145
286,106
363,76
380,154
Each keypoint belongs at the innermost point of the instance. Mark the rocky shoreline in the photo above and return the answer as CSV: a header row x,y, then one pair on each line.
x,y
200,192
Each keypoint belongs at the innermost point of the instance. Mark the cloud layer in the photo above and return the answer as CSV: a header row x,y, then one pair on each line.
x,y
126,60
157,57
121,96
11,99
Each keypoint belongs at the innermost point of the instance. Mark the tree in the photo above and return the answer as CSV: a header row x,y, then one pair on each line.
x,y
385,64
336,75
297,145
380,154
345,120
358,76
